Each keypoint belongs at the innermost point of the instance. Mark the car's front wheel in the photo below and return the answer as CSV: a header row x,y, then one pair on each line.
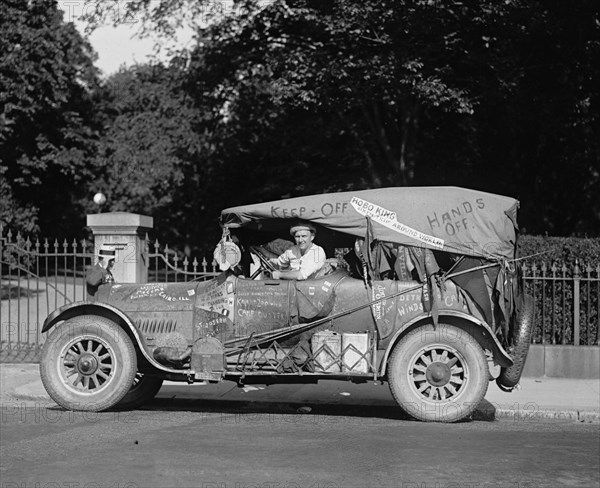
x,y
438,374
88,363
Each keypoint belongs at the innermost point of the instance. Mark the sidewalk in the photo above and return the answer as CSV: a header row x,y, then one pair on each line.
x,y
555,398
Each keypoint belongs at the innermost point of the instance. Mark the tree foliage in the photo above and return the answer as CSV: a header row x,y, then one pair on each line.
x,y
319,96
47,81
152,150
287,98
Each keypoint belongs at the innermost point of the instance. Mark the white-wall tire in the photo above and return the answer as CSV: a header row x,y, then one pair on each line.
x,y
438,374
88,363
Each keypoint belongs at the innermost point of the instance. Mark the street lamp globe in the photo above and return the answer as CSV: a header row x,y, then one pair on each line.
x,y
99,199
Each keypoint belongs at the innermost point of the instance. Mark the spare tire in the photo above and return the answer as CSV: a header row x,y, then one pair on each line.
x,y
509,377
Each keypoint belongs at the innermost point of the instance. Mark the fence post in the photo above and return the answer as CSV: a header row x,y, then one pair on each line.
x,y
576,282
125,233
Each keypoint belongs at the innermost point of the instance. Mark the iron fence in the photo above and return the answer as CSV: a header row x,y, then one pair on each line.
x,y
567,302
168,265
37,277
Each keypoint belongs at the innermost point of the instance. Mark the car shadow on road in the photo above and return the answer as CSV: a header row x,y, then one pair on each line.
x,y
485,412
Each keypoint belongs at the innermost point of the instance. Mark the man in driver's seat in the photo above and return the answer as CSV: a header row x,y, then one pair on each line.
x,y
302,260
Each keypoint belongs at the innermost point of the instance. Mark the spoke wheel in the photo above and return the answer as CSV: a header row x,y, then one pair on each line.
x,y
88,363
438,374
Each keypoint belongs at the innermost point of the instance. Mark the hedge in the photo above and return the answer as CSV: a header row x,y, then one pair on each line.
x,y
559,249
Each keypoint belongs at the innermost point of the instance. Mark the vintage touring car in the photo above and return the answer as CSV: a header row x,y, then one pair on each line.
x,y
428,298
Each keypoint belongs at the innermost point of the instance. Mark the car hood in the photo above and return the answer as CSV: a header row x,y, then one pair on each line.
x,y
150,296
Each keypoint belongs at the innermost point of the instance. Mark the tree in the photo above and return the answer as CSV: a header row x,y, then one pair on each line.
x,y
497,96
47,81
152,158
350,63
293,97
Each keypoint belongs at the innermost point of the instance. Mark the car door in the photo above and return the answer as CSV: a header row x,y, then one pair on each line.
x,y
263,306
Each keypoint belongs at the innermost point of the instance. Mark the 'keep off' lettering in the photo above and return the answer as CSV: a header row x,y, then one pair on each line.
x,y
326,210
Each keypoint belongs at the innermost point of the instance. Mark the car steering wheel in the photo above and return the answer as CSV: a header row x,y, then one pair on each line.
x,y
265,264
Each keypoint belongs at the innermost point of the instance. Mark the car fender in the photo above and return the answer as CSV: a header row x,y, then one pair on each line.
x,y
480,330
76,309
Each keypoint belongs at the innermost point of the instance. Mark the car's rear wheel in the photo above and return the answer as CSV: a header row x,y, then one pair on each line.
x,y
438,374
88,363
143,390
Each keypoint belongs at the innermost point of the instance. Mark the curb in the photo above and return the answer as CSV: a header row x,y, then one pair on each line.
x,y
574,415
19,394
38,399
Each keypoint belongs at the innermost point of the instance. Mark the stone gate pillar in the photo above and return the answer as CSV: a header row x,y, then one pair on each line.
x,y
126,234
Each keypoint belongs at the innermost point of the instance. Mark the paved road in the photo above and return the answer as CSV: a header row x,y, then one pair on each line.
x,y
223,444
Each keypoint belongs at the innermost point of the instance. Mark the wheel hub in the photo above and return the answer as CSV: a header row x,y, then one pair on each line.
x,y
87,364
438,373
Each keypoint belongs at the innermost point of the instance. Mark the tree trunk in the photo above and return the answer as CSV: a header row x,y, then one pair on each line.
x,y
376,181
402,166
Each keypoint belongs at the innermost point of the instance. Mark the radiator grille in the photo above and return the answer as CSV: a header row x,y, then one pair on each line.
x,y
156,326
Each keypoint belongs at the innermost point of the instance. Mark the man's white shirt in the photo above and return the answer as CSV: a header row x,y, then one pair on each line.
x,y
312,261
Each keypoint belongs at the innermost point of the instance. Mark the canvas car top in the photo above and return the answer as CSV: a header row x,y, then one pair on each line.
x,y
450,219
